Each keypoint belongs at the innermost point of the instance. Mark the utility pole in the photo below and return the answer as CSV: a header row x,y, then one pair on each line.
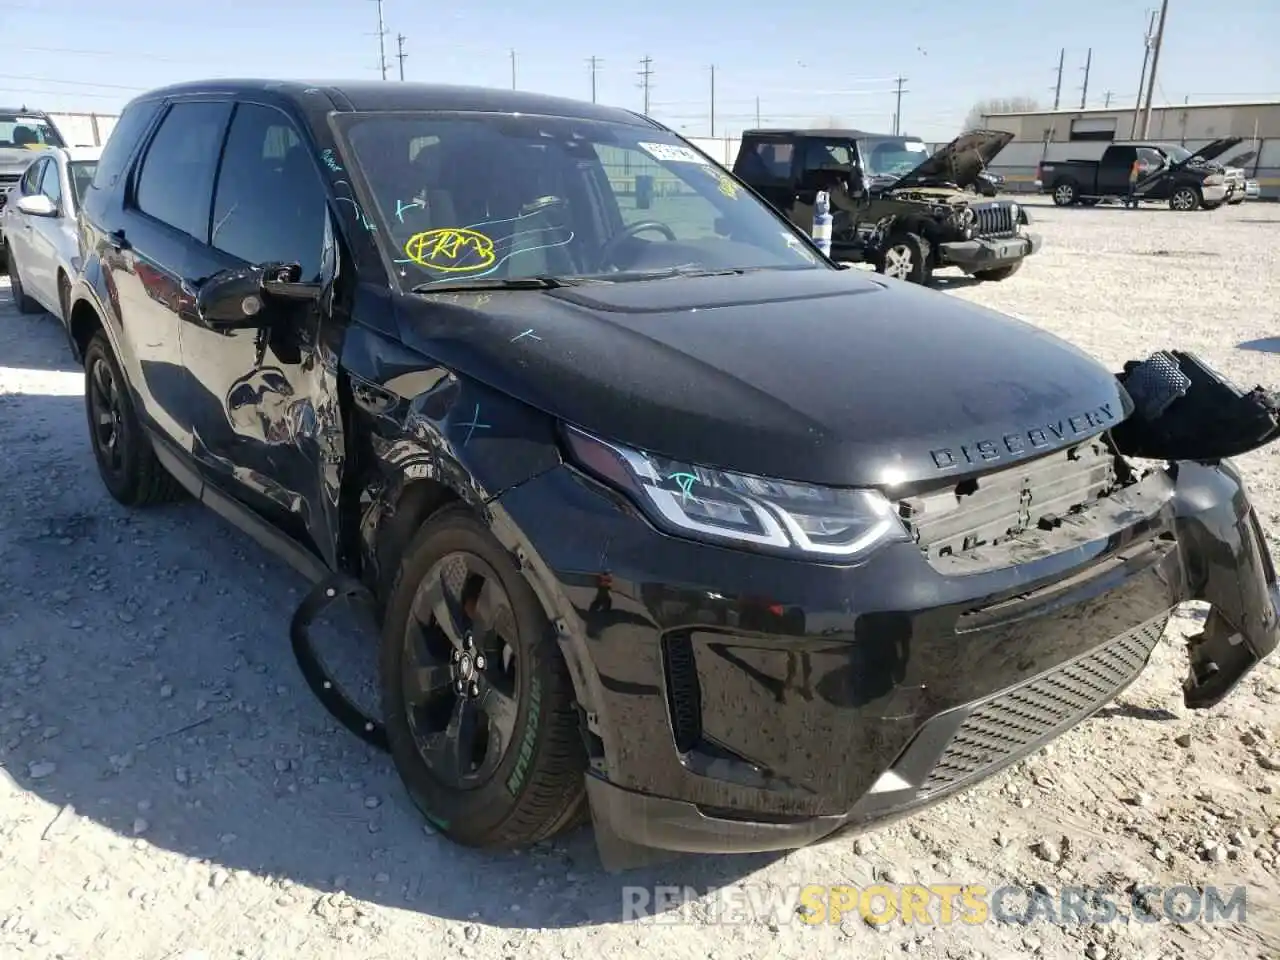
x,y
1106,102
897,113
646,72
382,45
1084,90
513,69
713,100
1057,91
758,118
1155,63
1142,78
400,54
595,66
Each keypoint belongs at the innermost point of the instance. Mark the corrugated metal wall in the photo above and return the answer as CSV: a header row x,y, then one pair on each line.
x,y
85,129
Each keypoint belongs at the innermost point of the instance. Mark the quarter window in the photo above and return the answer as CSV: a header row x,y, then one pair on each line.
x,y
270,203
177,172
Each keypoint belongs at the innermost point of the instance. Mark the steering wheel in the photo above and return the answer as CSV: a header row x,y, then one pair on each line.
x,y
626,233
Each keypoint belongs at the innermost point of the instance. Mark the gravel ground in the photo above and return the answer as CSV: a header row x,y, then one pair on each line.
x,y
170,789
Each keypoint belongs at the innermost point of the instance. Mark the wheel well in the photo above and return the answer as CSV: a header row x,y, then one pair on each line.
x,y
84,323
401,518
1065,181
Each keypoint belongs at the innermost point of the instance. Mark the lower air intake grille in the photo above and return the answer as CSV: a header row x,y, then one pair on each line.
x,y
1017,721
684,693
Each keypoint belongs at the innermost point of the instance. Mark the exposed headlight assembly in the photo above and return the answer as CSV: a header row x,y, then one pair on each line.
x,y
719,506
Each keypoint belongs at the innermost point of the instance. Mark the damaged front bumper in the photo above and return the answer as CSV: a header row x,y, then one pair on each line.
x,y
723,720
988,253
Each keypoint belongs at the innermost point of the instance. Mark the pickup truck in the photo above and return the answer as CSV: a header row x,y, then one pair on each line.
x,y
23,133
895,205
1167,172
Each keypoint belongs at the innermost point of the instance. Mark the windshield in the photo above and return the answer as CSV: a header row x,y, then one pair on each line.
x,y
17,130
81,176
510,197
893,156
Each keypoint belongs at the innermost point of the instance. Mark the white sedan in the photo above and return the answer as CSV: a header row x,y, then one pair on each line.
x,y
39,222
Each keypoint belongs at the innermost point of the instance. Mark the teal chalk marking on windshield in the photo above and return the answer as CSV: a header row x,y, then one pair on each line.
x,y
401,207
330,161
685,482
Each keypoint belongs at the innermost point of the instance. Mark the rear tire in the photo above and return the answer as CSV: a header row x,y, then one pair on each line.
x,y
1065,193
126,462
999,273
25,303
906,257
491,631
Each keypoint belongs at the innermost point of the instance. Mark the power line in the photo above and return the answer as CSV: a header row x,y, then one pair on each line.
x,y
594,63
1057,90
646,75
897,113
74,83
382,44
1084,89
400,54
1155,63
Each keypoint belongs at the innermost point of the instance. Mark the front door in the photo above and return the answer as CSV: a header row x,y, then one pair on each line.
x,y
265,411
165,217
19,235
40,272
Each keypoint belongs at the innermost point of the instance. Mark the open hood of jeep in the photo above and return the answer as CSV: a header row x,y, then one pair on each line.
x,y
960,161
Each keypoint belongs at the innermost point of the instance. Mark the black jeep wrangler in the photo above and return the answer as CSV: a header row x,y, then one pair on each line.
x,y
894,204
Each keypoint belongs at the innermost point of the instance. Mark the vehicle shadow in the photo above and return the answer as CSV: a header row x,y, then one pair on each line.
x,y
147,683
1263,345
27,347
957,282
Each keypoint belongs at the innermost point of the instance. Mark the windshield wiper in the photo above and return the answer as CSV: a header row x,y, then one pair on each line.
x,y
495,283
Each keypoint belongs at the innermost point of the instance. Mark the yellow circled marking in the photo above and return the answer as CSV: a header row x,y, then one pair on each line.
x,y
442,249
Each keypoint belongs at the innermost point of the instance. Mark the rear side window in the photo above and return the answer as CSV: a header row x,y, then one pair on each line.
x,y
766,160
124,136
175,183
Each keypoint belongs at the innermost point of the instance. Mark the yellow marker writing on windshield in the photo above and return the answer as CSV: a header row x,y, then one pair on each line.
x,y
450,250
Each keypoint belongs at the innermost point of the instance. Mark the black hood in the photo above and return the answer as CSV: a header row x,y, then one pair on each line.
x,y
961,160
823,376
1216,149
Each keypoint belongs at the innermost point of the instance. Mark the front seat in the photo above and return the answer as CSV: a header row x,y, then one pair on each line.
x,y
24,136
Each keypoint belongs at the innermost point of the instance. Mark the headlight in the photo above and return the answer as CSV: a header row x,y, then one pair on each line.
x,y
940,211
775,516
1014,211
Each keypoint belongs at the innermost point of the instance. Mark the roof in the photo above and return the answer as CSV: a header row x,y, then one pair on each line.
x,y
1076,111
24,111
807,132
398,95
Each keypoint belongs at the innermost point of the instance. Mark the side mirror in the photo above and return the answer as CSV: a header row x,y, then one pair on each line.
x,y
237,299
38,205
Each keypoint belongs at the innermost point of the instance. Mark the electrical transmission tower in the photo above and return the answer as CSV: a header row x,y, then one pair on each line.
x,y
646,75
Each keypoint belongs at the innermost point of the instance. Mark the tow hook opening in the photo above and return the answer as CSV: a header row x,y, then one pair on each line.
x,y
1219,659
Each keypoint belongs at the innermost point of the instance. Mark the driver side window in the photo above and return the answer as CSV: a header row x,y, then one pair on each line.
x,y
30,183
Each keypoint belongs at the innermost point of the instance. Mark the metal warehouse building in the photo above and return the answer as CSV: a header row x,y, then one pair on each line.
x,y
1083,134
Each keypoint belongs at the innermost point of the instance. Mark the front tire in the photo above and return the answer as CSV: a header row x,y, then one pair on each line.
x,y
477,699
906,257
127,464
1185,199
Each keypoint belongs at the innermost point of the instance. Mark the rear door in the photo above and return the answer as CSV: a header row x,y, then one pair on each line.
x,y
163,221
265,401
765,163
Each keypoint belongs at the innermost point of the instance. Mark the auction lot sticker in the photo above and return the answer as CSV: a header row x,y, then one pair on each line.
x,y
673,153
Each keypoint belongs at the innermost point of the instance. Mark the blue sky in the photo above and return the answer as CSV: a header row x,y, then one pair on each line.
x,y
94,57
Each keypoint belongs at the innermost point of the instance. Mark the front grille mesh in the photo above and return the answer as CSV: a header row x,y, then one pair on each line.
x,y
1015,722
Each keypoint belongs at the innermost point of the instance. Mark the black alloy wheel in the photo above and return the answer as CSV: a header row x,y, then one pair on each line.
x,y
460,675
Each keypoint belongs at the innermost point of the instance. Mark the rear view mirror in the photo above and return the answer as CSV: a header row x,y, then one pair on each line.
x,y
38,205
